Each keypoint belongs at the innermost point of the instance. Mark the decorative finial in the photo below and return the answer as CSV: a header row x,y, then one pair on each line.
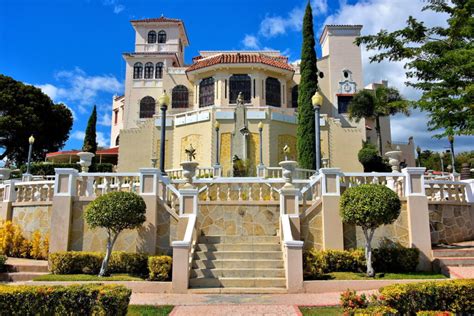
x,y
191,152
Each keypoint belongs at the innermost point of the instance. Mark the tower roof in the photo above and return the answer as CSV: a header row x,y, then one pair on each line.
x,y
163,20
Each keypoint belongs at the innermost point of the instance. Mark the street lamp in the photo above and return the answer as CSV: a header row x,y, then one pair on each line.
x,y
441,156
260,132
217,127
418,152
317,101
31,141
163,102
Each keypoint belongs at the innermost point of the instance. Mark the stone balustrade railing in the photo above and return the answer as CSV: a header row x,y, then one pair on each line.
x,y
393,180
443,190
300,173
97,184
313,190
34,191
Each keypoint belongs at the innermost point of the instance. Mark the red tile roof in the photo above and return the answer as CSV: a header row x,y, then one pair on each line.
x,y
240,58
160,19
107,151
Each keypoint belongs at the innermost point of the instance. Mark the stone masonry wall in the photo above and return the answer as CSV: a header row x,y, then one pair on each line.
x,y
450,223
312,228
396,232
31,218
238,219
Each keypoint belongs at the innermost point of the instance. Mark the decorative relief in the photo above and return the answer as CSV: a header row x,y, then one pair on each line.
x,y
195,141
286,140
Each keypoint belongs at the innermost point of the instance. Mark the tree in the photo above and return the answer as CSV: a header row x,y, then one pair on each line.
x,y
371,160
26,111
115,211
369,206
374,104
441,59
90,142
306,89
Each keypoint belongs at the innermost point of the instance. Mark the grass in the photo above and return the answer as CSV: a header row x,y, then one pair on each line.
x,y
87,277
322,311
382,276
149,310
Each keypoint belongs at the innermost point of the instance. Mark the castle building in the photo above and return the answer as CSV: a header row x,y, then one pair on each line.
x,y
207,91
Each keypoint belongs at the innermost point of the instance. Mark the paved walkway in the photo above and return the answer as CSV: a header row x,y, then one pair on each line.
x,y
237,304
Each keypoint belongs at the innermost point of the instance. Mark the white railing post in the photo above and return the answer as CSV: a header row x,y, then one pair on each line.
x,y
418,215
65,189
9,197
149,182
333,235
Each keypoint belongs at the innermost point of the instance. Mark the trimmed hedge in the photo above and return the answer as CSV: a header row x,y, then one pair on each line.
x,y
455,296
64,300
3,259
41,168
80,262
379,310
160,268
388,258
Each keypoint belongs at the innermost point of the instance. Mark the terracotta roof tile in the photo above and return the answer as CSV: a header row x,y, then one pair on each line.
x,y
160,19
238,58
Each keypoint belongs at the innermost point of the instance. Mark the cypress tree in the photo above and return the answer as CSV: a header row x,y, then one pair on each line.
x,y
90,143
307,87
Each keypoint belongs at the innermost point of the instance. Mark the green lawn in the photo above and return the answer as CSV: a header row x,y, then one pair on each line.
x,y
87,277
382,276
149,310
321,311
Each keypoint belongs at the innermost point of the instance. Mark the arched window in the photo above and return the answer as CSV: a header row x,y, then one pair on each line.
x,y
137,71
159,70
273,91
147,107
179,97
151,37
117,140
294,97
161,36
206,92
149,71
239,83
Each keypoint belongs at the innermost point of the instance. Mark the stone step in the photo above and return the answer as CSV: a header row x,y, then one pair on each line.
x,y
238,247
238,239
238,273
465,252
239,290
222,255
238,264
237,282
19,276
454,261
26,268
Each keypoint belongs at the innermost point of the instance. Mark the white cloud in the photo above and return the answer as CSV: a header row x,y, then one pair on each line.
x,y
101,138
117,7
51,90
104,119
250,42
78,135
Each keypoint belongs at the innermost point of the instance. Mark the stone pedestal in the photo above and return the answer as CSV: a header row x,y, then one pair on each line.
x,y
333,235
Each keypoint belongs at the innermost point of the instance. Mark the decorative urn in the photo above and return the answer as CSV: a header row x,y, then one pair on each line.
x,y
394,158
85,160
288,169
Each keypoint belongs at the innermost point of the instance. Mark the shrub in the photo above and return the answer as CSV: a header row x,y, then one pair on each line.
x,y
14,244
393,257
350,300
78,262
434,313
47,169
369,206
379,310
64,300
115,211
344,260
314,264
371,161
455,296
3,260
160,267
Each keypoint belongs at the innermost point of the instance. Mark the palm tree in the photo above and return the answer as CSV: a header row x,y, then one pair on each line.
x,y
374,104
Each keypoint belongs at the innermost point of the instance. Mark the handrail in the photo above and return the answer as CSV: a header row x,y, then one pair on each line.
x,y
188,234
288,239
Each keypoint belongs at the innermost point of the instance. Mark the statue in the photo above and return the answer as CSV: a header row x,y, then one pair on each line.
x,y
286,151
190,152
240,99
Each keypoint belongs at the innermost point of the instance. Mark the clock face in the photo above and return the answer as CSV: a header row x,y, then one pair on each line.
x,y
347,87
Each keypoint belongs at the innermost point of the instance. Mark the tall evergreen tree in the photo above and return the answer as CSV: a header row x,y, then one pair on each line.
x,y
90,142
307,87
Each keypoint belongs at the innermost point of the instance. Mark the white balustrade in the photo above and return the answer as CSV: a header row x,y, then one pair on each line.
x,y
393,180
34,191
446,191
97,184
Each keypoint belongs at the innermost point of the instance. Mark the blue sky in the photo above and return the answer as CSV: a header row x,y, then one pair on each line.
x,y
72,48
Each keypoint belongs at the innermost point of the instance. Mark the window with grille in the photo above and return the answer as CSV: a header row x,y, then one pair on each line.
x,y
179,97
273,91
161,36
151,37
147,107
137,71
206,92
159,70
149,71
239,83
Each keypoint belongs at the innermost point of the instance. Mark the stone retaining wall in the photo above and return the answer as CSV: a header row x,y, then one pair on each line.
x,y
450,223
32,218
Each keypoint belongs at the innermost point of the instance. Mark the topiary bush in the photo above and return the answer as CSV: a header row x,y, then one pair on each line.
x,y
369,206
115,211
64,300
159,268
344,260
370,159
47,169
454,295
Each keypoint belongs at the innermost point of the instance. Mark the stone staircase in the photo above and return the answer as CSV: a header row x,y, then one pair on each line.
x,y
238,262
444,258
20,270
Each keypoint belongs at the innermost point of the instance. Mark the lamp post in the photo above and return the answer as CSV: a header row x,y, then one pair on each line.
x,y
260,132
317,101
31,141
163,102
418,152
451,145
217,127
441,156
